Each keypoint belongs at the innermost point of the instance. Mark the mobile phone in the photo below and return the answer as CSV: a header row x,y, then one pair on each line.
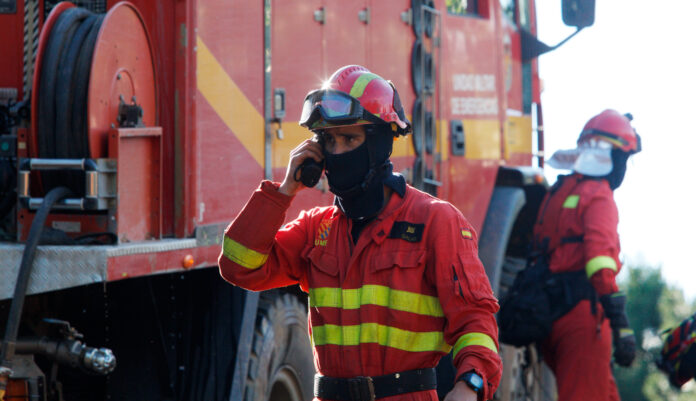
x,y
310,170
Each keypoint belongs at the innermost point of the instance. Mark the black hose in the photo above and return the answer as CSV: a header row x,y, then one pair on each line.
x,y
64,78
8,187
67,136
83,66
62,32
25,268
65,87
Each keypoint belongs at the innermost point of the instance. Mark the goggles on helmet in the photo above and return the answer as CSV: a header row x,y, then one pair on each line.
x,y
614,139
334,107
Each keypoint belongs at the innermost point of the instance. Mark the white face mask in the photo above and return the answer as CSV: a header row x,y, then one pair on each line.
x,y
591,157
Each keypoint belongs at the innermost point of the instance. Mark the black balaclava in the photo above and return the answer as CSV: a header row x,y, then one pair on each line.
x,y
619,158
357,177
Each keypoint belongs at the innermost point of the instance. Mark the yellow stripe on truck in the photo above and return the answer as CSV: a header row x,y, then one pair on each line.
x,y
229,102
242,255
483,141
518,136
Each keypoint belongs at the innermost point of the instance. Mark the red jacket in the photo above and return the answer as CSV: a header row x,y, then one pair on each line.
x,y
579,217
408,292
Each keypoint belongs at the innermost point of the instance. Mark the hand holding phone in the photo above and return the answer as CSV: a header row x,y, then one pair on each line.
x,y
303,168
310,172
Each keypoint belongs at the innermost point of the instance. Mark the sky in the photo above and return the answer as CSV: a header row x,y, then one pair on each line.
x,y
638,57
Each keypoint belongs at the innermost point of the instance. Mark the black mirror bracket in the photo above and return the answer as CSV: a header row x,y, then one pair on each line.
x,y
533,47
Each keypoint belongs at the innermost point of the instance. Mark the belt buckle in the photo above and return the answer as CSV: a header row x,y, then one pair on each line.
x,y
361,388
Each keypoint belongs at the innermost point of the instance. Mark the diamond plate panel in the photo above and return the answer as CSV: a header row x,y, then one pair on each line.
x,y
59,267
55,268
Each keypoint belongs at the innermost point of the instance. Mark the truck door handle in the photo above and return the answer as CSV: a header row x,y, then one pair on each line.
x,y
458,139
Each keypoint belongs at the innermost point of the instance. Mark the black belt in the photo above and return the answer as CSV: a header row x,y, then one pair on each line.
x,y
369,388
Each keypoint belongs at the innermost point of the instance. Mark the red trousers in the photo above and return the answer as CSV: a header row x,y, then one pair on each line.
x,y
578,351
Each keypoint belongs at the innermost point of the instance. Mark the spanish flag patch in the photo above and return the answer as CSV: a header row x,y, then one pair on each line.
x,y
467,234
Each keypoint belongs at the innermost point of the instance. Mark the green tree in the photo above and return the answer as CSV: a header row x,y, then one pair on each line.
x,y
652,306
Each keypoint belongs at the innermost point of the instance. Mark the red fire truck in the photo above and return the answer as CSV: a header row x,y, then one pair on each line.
x,y
131,134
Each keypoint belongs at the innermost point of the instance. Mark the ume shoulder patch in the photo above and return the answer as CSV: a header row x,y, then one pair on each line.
x,y
323,232
406,231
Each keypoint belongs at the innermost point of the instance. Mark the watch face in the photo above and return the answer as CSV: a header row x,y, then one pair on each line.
x,y
474,381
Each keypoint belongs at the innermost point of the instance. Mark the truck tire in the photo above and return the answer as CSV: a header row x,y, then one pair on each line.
x,y
525,375
281,366
511,266
503,210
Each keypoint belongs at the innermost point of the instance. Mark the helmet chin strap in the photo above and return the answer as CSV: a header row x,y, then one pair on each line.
x,y
376,168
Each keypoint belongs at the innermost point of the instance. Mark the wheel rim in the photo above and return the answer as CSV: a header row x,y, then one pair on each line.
x,y
286,386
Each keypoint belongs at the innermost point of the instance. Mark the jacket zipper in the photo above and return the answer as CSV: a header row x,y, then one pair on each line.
x,y
350,238
457,282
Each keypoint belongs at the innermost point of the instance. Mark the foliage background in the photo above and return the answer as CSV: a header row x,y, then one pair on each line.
x,y
653,306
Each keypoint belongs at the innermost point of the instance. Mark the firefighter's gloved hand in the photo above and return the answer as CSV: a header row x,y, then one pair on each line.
x,y
624,338
624,346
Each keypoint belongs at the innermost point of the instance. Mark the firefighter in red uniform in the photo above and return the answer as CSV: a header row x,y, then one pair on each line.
x,y
576,228
393,275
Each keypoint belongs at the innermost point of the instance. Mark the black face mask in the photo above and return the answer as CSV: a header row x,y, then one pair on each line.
x,y
619,158
356,177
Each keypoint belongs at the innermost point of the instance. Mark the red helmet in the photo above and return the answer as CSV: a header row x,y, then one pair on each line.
x,y
613,127
353,96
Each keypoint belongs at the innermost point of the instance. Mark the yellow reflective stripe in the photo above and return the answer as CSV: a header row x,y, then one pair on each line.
x,y
361,83
380,295
469,339
374,333
616,142
571,202
626,332
242,255
598,263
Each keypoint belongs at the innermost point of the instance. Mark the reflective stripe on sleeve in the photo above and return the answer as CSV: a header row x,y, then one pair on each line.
x,y
598,263
242,255
371,333
469,339
380,295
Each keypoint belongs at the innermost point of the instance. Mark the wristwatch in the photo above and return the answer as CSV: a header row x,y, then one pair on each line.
x,y
474,381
